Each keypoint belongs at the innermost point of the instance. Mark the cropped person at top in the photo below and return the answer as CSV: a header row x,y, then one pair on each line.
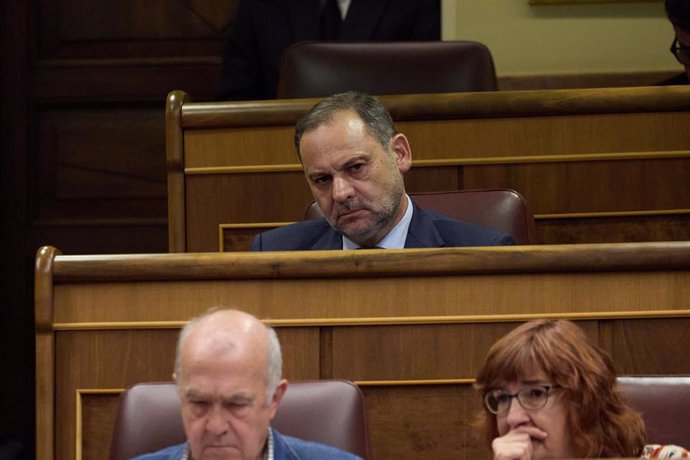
x,y
354,160
263,29
228,373
678,12
549,392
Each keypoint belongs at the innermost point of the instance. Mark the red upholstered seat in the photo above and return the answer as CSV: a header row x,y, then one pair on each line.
x,y
319,69
501,209
664,402
326,411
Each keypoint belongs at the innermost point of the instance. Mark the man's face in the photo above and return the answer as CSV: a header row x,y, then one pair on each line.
x,y
683,37
224,407
357,183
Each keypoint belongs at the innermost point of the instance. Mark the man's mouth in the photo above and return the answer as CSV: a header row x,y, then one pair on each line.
x,y
347,212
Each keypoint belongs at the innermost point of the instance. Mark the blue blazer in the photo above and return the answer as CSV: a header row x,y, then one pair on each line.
x,y
428,229
284,448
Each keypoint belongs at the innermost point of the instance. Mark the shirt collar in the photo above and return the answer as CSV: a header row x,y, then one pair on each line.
x,y
395,239
268,451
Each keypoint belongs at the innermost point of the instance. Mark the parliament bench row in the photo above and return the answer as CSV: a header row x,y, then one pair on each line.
x,y
411,327
596,165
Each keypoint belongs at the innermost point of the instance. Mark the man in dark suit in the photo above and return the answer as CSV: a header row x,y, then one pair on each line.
x,y
354,161
263,29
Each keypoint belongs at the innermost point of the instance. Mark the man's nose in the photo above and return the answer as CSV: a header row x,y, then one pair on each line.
x,y
216,422
516,414
342,189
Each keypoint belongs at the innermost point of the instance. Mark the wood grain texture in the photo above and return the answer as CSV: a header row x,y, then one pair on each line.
x,y
509,260
615,229
460,140
289,198
44,316
98,416
583,80
566,151
452,105
436,422
610,186
85,29
174,158
411,326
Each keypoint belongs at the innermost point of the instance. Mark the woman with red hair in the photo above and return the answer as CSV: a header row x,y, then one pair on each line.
x,y
549,392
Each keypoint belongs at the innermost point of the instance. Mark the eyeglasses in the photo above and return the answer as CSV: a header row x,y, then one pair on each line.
x,y
681,52
498,401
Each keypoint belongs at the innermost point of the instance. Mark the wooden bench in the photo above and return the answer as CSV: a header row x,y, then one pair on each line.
x,y
596,165
410,327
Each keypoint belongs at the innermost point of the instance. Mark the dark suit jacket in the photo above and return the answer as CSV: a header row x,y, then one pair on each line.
x,y
428,229
264,28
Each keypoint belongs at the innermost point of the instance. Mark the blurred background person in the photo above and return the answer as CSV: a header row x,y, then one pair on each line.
x,y
678,12
263,29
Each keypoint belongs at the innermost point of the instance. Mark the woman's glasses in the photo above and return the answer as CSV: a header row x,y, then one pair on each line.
x,y
681,52
498,401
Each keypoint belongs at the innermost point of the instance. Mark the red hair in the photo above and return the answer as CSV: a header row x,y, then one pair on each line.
x,y
602,423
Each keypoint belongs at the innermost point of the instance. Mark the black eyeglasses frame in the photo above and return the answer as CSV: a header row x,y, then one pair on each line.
x,y
547,388
676,49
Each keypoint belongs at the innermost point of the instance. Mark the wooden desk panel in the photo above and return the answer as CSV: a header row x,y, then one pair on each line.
x,y
580,157
411,327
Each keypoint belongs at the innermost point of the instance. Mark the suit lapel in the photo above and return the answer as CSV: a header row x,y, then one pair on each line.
x,y
362,20
422,232
329,240
281,449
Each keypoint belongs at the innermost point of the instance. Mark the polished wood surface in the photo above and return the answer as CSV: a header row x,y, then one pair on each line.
x,y
82,153
580,158
411,327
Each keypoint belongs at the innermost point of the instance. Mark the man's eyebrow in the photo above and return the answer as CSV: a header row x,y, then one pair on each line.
x,y
348,162
240,397
315,174
192,393
355,159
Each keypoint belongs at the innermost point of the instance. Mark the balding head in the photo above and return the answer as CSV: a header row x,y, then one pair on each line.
x,y
221,332
227,371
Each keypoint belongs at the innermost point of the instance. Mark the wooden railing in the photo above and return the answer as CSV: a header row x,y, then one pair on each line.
x,y
596,165
411,327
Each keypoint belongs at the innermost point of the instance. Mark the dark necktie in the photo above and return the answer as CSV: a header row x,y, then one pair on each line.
x,y
330,20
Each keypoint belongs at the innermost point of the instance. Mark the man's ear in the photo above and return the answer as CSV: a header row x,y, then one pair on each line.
x,y
402,152
278,396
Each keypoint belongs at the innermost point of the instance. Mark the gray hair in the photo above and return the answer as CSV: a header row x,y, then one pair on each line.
x,y
372,112
274,369
274,356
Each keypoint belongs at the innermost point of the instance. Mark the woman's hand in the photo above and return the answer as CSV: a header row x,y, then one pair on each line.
x,y
517,443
